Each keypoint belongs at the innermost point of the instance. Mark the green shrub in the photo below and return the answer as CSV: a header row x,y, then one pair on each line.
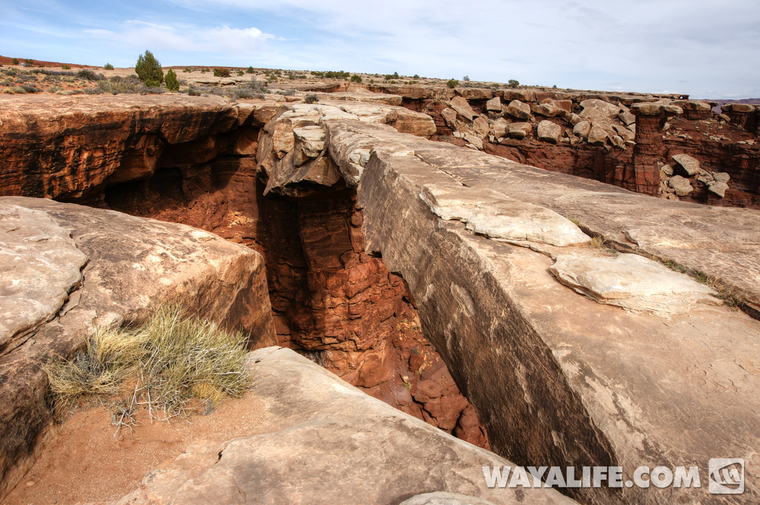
x,y
108,66
249,70
452,83
29,61
165,363
416,76
513,83
311,98
172,84
66,67
89,75
186,70
204,70
240,73
148,69
15,61
356,78
221,72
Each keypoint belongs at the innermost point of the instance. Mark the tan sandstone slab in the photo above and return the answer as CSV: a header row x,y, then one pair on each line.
x,y
322,441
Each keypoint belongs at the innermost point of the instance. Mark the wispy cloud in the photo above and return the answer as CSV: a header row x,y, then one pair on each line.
x,y
184,38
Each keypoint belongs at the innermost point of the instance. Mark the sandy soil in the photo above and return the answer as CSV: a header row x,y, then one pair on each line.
x,y
85,462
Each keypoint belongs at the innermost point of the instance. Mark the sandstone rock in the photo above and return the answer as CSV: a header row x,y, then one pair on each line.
x,y
46,139
598,109
499,128
520,130
132,265
462,107
522,95
655,109
548,110
597,135
322,441
667,170
738,107
721,176
687,163
681,185
443,498
718,188
582,129
492,214
40,266
625,116
601,353
475,93
450,116
548,131
518,109
474,140
632,282
309,143
624,132
481,126
494,104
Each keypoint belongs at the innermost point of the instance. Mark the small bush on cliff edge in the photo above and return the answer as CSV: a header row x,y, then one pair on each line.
x,y
163,365
148,69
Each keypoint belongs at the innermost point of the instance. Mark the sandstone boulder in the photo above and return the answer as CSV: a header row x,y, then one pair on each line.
x,y
721,176
480,126
518,109
462,107
687,163
582,129
450,116
681,185
128,265
548,131
309,141
548,110
718,188
323,441
598,135
599,109
499,128
494,104
519,130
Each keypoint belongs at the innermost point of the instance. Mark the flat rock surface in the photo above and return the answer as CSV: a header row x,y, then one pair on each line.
x,y
39,266
133,264
632,282
324,441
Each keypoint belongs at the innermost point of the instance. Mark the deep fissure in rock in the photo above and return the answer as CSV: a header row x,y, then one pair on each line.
x,y
331,300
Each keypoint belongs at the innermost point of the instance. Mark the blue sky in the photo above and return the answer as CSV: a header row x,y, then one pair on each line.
x,y
707,49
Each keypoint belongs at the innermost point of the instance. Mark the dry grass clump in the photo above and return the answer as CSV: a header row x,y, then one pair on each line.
x,y
163,366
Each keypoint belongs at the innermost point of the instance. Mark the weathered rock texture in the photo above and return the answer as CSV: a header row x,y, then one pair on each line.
x,y
323,441
556,377
620,139
467,239
329,298
117,268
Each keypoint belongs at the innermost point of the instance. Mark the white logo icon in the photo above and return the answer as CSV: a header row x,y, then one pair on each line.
x,y
726,476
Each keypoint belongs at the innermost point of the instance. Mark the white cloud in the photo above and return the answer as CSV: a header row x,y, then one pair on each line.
x,y
185,38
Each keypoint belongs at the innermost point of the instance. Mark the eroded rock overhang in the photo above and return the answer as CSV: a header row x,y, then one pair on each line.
x,y
626,364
